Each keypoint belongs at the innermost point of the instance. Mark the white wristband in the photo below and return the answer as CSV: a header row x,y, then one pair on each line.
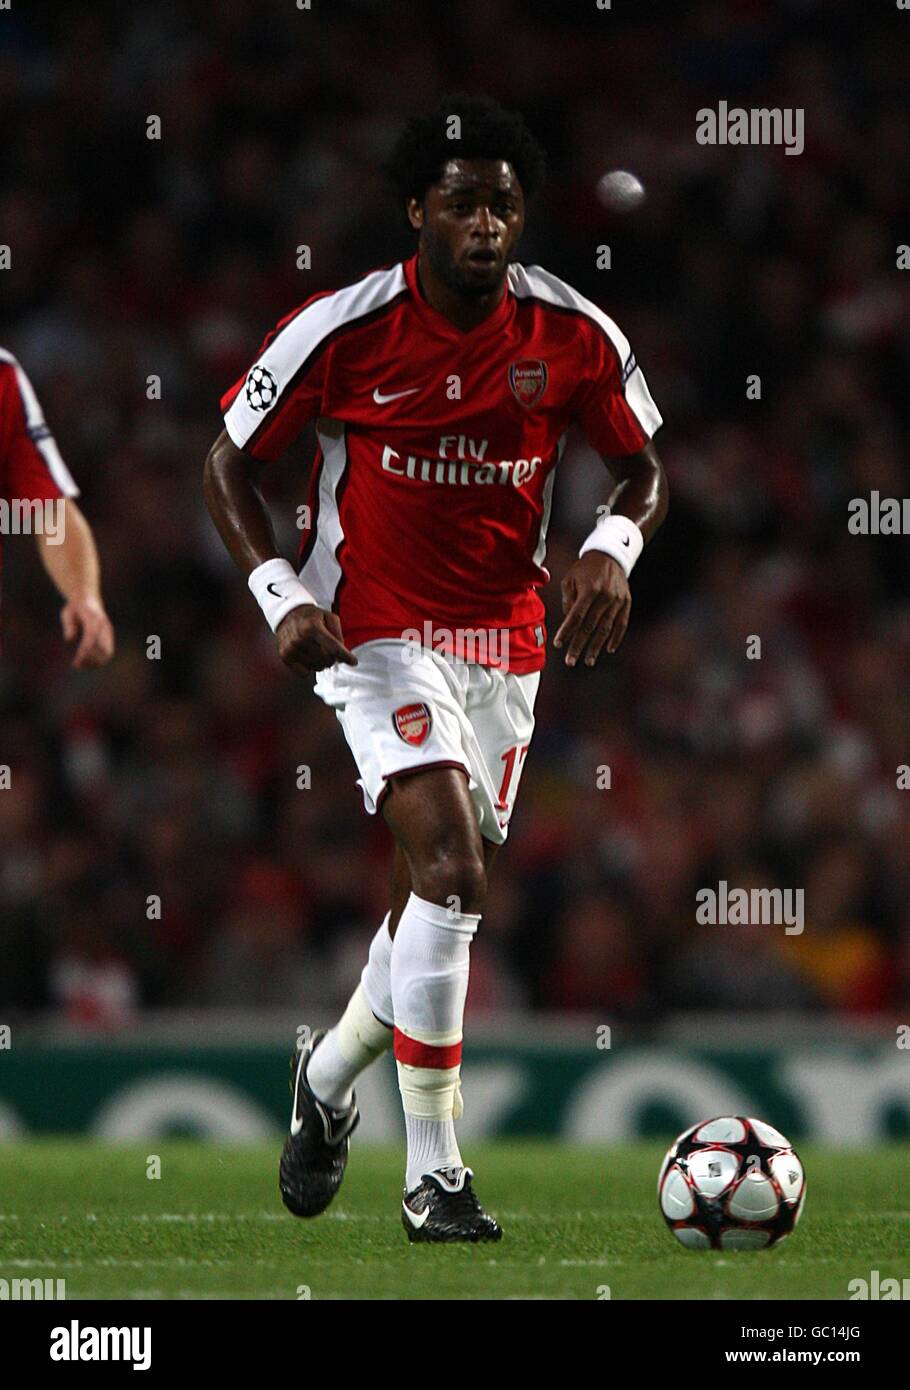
x,y
618,537
277,590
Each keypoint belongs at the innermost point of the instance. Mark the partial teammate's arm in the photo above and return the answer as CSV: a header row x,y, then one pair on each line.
x,y
35,472
71,561
309,638
596,599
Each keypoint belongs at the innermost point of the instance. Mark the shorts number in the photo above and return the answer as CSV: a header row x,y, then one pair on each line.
x,y
509,759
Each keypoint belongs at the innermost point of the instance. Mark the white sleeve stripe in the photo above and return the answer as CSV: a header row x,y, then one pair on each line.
x,y
301,338
58,470
39,432
533,282
640,402
33,414
231,429
321,569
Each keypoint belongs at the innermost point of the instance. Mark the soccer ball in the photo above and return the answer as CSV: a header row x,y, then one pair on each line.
x,y
731,1184
261,388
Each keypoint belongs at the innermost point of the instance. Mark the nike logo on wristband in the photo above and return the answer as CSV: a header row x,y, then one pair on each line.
x,y
625,540
273,591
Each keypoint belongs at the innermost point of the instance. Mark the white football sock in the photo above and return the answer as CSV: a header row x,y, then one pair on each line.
x,y
357,1039
377,974
431,1145
429,984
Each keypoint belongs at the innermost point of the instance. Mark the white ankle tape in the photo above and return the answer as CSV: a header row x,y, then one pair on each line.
x,y
429,1093
361,1036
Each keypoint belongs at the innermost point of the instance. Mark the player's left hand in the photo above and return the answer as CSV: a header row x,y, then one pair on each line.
x,y
86,621
596,603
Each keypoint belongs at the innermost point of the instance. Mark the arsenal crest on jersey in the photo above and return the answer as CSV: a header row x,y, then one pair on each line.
x,y
412,724
528,380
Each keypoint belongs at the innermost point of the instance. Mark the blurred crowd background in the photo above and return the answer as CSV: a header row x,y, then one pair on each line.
x,y
177,777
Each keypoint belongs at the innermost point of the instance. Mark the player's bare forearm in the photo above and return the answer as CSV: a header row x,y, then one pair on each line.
x,y
309,638
235,505
641,491
71,560
70,556
596,600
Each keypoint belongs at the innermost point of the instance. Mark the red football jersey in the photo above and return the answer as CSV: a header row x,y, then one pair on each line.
x,y
31,469
430,496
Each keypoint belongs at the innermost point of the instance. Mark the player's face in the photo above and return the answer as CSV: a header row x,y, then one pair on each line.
x,y
470,222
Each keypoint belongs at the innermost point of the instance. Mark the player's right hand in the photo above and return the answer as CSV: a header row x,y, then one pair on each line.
x,y
85,622
309,639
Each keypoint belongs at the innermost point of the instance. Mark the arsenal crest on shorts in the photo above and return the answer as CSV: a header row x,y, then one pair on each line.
x,y
528,380
412,724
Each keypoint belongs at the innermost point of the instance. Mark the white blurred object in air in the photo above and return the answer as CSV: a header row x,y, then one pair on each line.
x,y
620,191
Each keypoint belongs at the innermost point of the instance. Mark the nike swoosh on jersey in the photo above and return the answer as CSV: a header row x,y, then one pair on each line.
x,y
415,1219
380,399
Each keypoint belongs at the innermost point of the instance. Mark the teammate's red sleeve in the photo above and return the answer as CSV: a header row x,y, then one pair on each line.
x,y
266,410
32,468
614,407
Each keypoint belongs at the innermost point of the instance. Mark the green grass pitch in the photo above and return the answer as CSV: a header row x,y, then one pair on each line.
x,y
575,1220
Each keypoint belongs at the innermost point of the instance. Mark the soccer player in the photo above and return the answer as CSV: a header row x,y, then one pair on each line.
x,y
37,494
442,389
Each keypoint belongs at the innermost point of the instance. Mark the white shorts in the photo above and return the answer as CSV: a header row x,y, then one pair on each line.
x,y
403,708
